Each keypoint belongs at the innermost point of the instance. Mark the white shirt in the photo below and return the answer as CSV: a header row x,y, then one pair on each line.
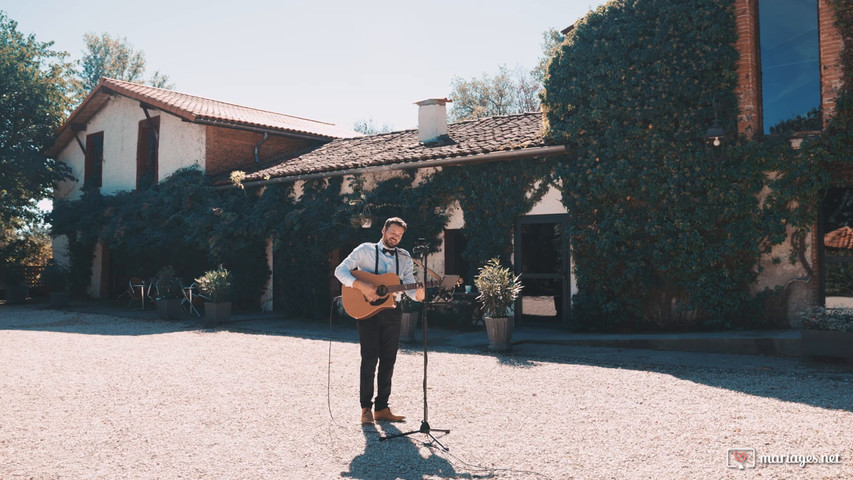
x,y
364,258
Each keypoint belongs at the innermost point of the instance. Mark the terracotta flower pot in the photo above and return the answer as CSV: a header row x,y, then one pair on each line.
x,y
169,308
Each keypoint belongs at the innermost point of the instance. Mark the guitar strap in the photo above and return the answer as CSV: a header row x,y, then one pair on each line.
x,y
376,265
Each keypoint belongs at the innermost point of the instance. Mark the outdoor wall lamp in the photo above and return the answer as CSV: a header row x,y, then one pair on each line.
x,y
715,134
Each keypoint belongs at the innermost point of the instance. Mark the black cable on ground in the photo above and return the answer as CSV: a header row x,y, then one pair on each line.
x,y
470,467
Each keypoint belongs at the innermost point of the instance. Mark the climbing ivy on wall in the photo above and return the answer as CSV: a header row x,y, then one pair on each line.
x,y
492,197
185,223
665,232
179,222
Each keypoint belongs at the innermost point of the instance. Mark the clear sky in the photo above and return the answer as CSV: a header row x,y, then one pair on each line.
x,y
333,61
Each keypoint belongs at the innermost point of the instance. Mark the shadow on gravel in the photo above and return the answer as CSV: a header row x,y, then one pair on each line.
x,y
397,458
799,380
790,379
90,321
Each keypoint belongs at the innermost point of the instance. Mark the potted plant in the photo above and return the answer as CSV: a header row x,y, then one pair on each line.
x,y
498,291
57,279
14,284
827,332
169,294
215,286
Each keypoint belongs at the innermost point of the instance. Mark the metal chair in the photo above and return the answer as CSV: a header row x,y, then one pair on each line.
x,y
189,295
136,291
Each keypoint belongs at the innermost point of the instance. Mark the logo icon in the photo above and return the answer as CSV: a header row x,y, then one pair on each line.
x,y
740,458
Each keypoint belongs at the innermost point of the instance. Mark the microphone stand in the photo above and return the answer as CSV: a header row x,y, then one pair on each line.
x,y
425,427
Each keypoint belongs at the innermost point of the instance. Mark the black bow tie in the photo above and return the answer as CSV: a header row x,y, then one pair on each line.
x,y
390,251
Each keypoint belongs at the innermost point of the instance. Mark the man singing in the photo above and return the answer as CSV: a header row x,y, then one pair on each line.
x,y
379,335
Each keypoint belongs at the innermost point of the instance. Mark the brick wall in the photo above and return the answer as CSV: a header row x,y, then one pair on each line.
x,y
228,149
748,89
831,72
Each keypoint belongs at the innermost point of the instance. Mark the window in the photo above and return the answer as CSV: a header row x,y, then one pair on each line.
x,y
837,253
454,263
790,65
94,166
147,152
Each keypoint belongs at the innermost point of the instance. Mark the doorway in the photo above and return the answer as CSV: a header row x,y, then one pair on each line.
x,y
835,238
542,258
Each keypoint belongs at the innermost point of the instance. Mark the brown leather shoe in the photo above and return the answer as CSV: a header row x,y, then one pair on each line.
x,y
366,416
386,415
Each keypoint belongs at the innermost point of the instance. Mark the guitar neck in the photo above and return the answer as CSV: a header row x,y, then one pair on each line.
x,y
408,286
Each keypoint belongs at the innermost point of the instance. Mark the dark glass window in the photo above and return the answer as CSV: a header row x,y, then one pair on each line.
x,y
541,252
147,148
93,171
454,245
790,65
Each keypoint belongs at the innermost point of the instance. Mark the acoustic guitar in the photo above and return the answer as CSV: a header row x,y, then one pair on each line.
x,y
358,307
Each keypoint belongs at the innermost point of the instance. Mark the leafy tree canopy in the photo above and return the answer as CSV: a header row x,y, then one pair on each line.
x,y
34,93
106,56
505,93
370,127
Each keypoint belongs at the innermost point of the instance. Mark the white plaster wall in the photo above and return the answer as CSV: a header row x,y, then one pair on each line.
x,y
94,289
59,246
267,295
551,203
182,144
783,273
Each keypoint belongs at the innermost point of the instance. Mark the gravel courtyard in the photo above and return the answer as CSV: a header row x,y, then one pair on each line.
x,y
96,396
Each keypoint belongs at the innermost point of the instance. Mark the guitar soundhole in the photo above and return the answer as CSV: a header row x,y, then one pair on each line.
x,y
382,290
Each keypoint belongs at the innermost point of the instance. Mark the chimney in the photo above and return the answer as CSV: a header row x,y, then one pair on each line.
x,y
432,119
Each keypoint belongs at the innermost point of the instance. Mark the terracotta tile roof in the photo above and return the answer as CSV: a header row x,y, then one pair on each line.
x,y
841,238
465,139
194,109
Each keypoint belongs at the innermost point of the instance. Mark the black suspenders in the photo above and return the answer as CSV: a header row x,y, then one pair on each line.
x,y
376,265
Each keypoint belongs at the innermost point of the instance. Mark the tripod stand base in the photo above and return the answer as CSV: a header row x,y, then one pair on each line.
x,y
425,429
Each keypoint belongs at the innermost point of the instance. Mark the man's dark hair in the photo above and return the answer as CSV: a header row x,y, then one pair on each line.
x,y
395,221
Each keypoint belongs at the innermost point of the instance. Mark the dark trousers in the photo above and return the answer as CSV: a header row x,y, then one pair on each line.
x,y
379,337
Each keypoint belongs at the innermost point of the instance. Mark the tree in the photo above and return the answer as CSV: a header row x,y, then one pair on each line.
x,y
487,96
369,127
34,94
505,93
551,41
106,56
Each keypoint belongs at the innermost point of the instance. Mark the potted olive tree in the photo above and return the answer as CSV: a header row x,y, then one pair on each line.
x,y
215,286
169,294
57,279
827,332
499,289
